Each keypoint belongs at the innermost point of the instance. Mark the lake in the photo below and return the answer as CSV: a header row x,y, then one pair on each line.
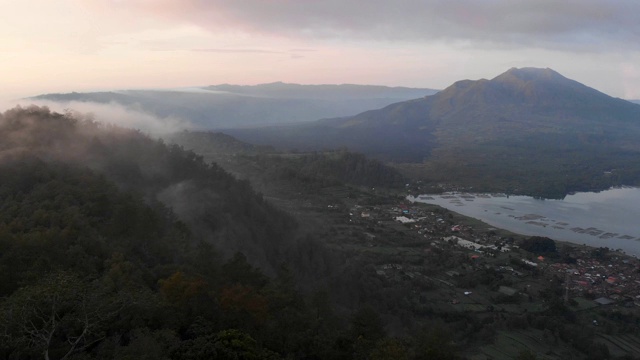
x,y
608,218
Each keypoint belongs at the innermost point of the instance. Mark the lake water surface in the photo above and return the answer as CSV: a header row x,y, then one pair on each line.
x,y
608,218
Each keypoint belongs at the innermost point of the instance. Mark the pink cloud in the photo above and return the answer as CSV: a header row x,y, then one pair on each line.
x,y
544,23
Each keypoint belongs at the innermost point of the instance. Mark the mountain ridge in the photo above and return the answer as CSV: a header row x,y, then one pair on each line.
x,y
224,106
471,121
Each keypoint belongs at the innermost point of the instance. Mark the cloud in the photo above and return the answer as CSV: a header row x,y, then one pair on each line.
x,y
573,24
114,114
238,51
303,50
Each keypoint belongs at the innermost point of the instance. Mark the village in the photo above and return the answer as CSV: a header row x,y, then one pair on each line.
x,y
588,276
421,261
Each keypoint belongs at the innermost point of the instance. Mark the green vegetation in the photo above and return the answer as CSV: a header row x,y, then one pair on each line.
x,y
117,246
316,169
539,245
330,168
548,166
113,245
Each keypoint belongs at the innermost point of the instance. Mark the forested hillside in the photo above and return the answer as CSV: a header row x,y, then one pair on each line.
x,y
89,271
265,164
236,218
332,167
95,259
117,246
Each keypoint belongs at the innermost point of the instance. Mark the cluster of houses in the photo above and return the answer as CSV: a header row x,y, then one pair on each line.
x,y
616,280
434,226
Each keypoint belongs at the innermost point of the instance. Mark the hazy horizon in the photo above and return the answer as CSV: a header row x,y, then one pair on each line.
x,y
98,45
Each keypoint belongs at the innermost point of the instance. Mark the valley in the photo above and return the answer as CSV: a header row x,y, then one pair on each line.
x,y
423,265
319,180
295,246
527,131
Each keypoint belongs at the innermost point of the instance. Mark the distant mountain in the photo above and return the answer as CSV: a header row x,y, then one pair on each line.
x,y
222,106
501,131
333,92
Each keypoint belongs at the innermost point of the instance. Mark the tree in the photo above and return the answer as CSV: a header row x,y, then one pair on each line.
x,y
180,288
366,324
390,349
238,270
366,331
145,344
539,245
243,304
57,317
435,343
226,344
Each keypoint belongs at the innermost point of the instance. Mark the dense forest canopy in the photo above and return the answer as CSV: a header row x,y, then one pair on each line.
x,y
316,168
115,245
112,243
157,172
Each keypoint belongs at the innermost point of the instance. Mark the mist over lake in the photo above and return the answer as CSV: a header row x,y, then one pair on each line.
x,y
603,219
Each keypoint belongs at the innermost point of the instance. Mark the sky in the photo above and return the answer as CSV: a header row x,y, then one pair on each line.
x,y
93,45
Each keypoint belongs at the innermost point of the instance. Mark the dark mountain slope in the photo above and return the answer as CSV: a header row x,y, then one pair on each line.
x,y
111,243
533,118
219,209
267,166
90,271
400,132
528,101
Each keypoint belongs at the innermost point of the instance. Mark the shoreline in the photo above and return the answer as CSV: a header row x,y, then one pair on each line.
x,y
519,221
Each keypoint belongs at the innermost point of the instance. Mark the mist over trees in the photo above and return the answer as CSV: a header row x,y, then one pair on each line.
x,y
92,259
114,245
117,246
